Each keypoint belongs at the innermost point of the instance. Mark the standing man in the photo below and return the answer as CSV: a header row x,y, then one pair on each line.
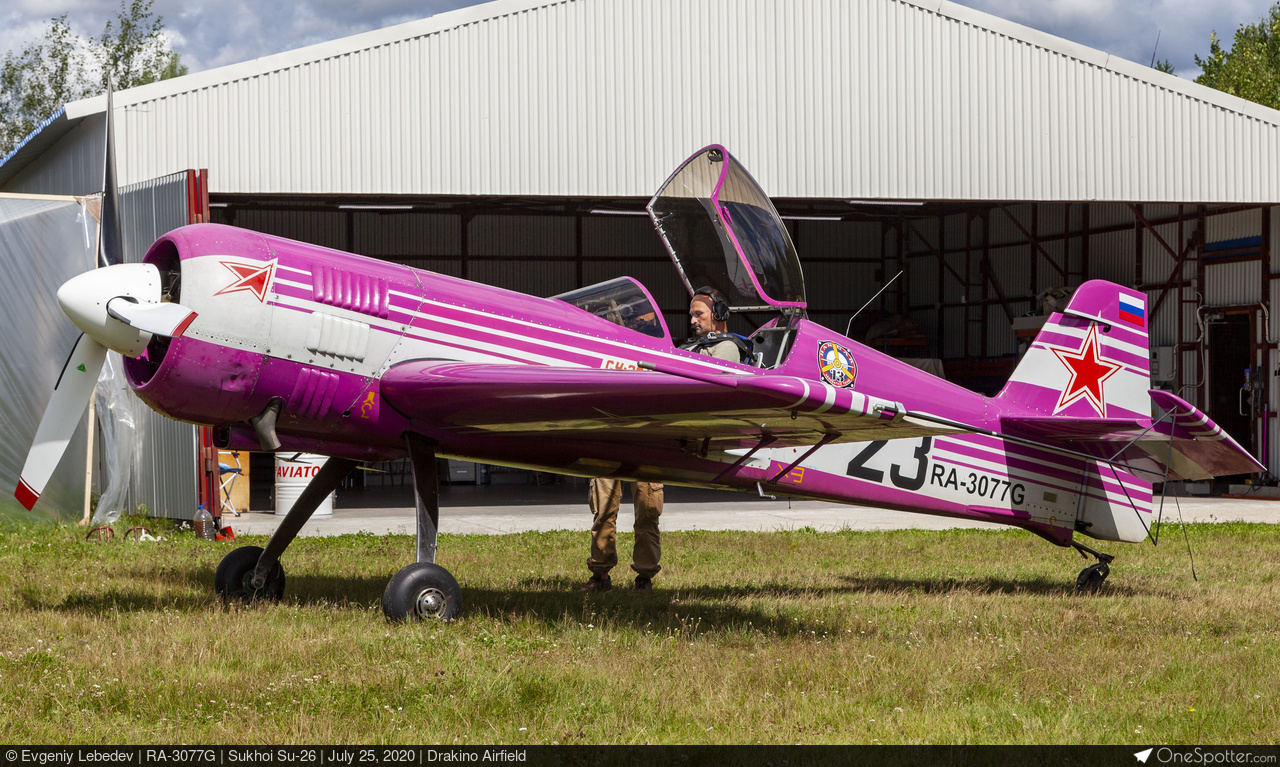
x,y
605,497
709,325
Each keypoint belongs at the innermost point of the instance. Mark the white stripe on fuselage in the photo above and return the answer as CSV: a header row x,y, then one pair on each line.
x,y
991,461
1001,456
642,352
442,347
627,350
1114,492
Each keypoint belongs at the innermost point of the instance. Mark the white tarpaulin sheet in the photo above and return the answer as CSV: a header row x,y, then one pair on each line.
x,y
43,242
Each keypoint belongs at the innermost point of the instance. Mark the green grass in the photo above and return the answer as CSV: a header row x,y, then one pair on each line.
x,y
791,637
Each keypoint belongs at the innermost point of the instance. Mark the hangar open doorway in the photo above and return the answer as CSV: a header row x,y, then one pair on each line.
x,y
965,280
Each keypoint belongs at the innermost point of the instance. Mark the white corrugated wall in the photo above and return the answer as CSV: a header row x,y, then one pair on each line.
x,y
901,99
1232,284
1233,226
1163,327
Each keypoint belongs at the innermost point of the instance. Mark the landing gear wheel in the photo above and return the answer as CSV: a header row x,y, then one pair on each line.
x,y
1091,578
422,591
234,576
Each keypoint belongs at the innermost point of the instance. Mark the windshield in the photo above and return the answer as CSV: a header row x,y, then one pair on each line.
x,y
723,231
622,301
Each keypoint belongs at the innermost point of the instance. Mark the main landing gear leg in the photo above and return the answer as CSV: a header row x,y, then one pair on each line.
x,y
250,572
424,589
1091,578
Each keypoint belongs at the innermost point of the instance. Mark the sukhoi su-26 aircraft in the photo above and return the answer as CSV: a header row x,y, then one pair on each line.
x,y
281,345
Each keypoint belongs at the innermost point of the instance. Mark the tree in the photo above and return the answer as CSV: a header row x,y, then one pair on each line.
x,y
36,82
1164,65
136,52
1251,69
63,66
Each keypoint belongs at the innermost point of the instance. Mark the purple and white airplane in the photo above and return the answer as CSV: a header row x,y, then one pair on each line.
x,y
281,345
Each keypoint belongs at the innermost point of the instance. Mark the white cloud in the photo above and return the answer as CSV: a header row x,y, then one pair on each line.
x,y
17,33
240,30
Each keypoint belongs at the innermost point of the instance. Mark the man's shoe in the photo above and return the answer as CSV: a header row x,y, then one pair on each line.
x,y
599,582
644,583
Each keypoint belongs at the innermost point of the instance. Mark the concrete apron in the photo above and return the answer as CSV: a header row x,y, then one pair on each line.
x,y
749,513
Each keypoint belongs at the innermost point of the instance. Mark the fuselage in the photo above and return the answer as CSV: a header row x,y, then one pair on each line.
x,y
318,329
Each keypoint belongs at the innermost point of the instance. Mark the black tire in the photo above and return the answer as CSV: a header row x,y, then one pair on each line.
x,y
1091,578
231,580
422,591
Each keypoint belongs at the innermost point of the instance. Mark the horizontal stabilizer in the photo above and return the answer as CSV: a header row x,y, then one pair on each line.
x,y
1205,449
1063,429
1183,445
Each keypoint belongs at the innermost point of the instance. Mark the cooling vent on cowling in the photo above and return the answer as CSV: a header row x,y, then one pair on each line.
x,y
350,290
336,337
313,392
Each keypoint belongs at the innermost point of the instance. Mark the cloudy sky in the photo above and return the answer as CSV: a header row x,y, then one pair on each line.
x,y
210,34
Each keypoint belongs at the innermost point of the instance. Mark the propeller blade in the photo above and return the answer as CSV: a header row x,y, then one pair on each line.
x,y
61,416
110,246
158,319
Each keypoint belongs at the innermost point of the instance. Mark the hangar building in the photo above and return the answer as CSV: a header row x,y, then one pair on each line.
x,y
516,142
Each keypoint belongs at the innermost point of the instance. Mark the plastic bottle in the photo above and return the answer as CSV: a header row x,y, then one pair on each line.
x,y
203,523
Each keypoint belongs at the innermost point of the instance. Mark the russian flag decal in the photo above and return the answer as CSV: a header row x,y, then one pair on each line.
x,y
1133,310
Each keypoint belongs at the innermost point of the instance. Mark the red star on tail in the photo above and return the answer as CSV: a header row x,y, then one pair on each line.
x,y
1087,374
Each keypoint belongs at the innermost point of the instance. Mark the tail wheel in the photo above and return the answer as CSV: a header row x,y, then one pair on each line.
x,y
1091,578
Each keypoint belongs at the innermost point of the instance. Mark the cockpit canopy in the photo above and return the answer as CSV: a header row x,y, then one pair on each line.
x,y
722,231
622,301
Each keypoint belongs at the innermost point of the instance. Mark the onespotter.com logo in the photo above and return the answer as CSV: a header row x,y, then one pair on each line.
x,y
1197,755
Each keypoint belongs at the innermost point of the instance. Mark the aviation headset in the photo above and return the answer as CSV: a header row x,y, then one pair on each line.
x,y
719,309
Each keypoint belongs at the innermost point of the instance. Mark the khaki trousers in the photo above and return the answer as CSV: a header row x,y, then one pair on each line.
x,y
604,498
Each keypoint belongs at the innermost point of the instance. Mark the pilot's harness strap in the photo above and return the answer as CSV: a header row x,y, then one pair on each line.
x,y
745,347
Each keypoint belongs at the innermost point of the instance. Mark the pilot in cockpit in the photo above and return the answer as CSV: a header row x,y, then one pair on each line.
x,y
709,324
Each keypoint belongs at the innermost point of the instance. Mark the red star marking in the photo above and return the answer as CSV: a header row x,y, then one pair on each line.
x,y
1087,374
253,278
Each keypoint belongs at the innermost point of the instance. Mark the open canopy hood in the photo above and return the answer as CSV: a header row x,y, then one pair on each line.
x,y
722,230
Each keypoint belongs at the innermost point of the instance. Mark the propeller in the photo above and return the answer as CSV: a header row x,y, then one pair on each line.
x,y
110,244
117,306
70,398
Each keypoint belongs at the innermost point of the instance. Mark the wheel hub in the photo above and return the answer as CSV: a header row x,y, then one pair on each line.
x,y
246,584
430,602
249,587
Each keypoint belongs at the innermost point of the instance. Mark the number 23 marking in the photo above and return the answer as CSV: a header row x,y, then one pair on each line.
x,y
858,468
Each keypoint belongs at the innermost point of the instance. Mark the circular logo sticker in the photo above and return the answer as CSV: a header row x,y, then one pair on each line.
x,y
836,364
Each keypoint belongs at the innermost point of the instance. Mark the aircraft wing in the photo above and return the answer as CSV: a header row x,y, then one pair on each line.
x,y
651,405
1185,442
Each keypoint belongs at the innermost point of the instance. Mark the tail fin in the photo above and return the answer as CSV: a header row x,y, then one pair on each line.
x,y
1087,378
1092,360
1086,381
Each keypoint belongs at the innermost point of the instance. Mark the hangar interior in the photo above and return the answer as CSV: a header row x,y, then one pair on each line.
x,y
970,290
